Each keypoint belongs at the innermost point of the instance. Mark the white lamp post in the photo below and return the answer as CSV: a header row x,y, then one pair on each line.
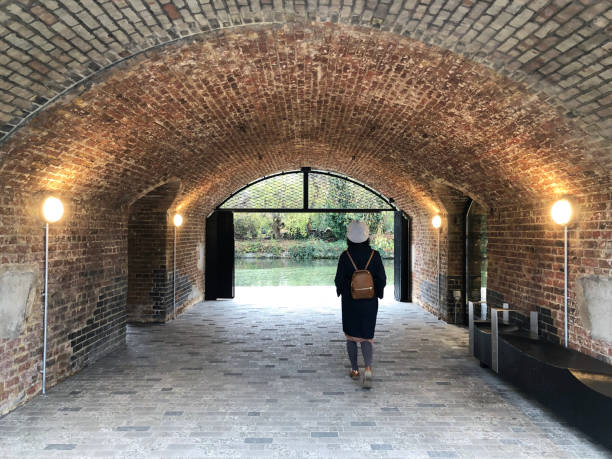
x,y
178,221
562,213
52,210
437,222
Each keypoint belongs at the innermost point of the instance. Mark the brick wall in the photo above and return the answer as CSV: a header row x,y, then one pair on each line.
x,y
426,270
190,257
88,285
87,290
526,263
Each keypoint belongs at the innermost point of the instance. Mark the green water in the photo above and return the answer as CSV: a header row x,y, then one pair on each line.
x,y
274,272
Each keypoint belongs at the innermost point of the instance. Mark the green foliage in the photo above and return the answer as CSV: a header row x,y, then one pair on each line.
x,y
300,234
251,225
374,222
384,245
337,223
324,249
302,252
339,197
307,249
388,224
244,227
296,225
259,247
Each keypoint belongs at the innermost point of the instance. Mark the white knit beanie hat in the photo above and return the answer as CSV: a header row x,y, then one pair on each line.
x,y
357,232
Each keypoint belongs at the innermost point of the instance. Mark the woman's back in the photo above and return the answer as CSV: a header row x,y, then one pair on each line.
x,y
359,315
360,254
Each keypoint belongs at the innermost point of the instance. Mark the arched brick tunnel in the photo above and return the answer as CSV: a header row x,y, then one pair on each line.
x,y
103,105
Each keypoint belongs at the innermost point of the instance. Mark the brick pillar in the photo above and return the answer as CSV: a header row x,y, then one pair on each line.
x,y
453,250
150,264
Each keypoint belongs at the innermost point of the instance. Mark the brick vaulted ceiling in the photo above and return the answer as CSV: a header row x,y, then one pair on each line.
x,y
497,99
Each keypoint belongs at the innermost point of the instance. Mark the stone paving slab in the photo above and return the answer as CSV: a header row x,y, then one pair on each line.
x,y
266,375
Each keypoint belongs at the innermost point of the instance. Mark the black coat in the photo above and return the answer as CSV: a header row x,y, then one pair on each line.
x,y
359,316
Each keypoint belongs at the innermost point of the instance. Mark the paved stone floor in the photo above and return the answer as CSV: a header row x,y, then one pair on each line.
x,y
266,376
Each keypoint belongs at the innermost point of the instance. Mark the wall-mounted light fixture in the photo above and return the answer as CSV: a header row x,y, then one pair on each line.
x,y
561,213
437,223
178,221
52,210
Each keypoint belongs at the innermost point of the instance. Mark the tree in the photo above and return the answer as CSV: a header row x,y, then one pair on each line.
x,y
277,225
338,196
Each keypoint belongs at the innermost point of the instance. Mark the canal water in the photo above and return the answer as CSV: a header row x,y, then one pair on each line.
x,y
259,272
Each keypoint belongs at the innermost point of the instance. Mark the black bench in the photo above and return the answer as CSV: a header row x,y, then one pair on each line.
x,y
575,386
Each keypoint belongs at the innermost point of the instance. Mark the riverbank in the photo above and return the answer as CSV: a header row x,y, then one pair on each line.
x,y
308,249
259,272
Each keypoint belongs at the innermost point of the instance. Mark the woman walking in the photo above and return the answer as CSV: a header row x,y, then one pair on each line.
x,y
359,315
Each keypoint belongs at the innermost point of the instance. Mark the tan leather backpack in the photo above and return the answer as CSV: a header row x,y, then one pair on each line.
x,y
362,283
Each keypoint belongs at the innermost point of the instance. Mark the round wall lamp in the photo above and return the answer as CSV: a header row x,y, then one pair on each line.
x,y
436,221
561,212
178,220
52,210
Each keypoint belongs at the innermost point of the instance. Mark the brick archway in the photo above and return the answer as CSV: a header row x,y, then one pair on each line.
x,y
423,125
559,49
277,97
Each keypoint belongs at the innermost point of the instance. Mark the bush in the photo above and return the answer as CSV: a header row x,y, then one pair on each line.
x,y
384,245
302,252
244,227
251,225
259,247
338,223
296,225
307,249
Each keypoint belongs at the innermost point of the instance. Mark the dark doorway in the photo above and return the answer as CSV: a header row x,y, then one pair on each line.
x,y
219,269
401,262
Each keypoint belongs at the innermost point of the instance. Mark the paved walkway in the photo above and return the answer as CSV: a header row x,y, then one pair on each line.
x,y
266,376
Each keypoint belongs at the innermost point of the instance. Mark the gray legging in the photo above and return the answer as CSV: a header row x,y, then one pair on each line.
x,y
367,349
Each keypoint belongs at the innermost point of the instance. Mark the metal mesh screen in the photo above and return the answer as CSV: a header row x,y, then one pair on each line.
x,y
282,191
330,192
325,191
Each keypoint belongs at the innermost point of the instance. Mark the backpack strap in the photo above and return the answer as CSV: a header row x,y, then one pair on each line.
x,y
369,260
354,265
351,258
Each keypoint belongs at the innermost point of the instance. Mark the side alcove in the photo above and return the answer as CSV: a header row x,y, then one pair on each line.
x,y
149,255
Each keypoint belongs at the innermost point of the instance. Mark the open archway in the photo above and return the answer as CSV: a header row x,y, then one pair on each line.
x,y
305,191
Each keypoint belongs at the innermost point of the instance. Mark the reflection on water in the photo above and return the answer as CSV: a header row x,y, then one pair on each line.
x,y
286,271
